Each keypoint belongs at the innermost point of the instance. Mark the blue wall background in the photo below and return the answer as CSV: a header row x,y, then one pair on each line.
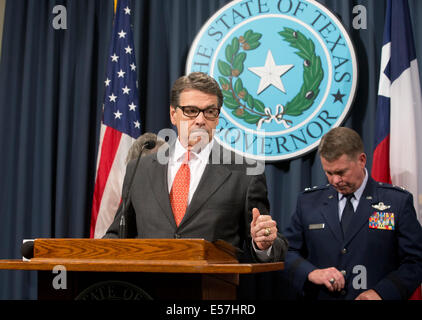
x,y
51,92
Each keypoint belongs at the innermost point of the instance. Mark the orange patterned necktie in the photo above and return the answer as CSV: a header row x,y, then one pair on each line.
x,y
180,191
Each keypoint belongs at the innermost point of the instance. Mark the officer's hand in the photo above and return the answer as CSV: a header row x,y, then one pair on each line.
x,y
369,295
323,277
263,229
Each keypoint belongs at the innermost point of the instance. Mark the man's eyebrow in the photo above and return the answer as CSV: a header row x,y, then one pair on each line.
x,y
336,171
191,106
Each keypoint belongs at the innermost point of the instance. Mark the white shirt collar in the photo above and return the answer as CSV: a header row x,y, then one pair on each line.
x,y
180,151
358,193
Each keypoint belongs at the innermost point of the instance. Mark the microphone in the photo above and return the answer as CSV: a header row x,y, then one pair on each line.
x,y
27,249
150,144
123,225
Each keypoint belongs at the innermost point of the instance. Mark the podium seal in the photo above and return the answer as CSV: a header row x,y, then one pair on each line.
x,y
287,70
113,290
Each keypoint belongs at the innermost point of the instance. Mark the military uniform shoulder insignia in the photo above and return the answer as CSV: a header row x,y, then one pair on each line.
x,y
399,187
315,188
390,186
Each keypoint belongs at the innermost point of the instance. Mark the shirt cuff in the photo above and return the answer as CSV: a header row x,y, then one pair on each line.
x,y
263,255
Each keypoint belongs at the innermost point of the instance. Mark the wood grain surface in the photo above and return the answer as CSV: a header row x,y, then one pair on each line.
x,y
138,255
135,249
159,266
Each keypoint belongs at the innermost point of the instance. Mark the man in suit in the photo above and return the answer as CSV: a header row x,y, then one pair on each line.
x,y
192,196
353,238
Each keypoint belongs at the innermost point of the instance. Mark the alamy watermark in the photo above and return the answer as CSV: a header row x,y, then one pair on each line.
x,y
359,17
60,281
360,20
217,156
360,280
60,18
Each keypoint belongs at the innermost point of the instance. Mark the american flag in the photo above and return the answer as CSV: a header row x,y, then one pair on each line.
x,y
121,123
397,155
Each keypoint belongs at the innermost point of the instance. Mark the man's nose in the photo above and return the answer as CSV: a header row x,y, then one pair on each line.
x,y
336,179
200,119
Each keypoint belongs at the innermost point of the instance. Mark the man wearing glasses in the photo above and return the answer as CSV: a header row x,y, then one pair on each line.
x,y
194,196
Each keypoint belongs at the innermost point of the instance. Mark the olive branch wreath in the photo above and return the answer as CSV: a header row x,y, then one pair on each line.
x,y
244,105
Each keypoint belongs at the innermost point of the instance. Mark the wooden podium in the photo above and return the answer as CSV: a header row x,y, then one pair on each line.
x,y
134,269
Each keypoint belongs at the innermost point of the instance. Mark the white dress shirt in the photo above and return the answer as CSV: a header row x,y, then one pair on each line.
x,y
197,163
355,201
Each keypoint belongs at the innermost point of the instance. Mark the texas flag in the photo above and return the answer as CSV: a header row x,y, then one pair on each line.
x,y
397,157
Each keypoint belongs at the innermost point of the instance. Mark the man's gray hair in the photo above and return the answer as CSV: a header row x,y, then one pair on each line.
x,y
198,81
340,141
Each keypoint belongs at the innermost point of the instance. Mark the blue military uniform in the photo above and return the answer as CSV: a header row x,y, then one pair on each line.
x,y
382,247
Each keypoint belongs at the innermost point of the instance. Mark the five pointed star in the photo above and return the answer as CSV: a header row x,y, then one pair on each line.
x,y
114,57
270,74
132,107
133,67
338,96
128,50
107,82
127,10
122,34
125,90
121,74
117,114
137,124
112,98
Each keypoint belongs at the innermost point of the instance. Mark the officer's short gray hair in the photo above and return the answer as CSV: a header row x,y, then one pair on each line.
x,y
340,141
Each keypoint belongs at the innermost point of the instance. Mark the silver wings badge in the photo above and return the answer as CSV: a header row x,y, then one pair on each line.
x,y
380,206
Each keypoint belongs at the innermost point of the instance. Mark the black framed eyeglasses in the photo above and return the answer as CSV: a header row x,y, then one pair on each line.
x,y
210,113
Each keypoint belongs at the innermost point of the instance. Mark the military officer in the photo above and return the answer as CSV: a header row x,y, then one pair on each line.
x,y
353,238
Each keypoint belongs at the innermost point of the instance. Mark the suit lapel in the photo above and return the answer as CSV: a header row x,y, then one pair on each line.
x,y
329,210
213,177
158,182
363,211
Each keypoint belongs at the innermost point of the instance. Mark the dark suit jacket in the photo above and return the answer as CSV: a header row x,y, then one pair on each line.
x,y
392,258
221,207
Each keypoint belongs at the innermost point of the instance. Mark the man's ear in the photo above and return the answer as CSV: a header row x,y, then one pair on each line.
x,y
172,115
362,159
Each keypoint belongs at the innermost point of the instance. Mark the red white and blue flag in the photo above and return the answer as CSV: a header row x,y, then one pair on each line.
x,y
121,123
397,157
